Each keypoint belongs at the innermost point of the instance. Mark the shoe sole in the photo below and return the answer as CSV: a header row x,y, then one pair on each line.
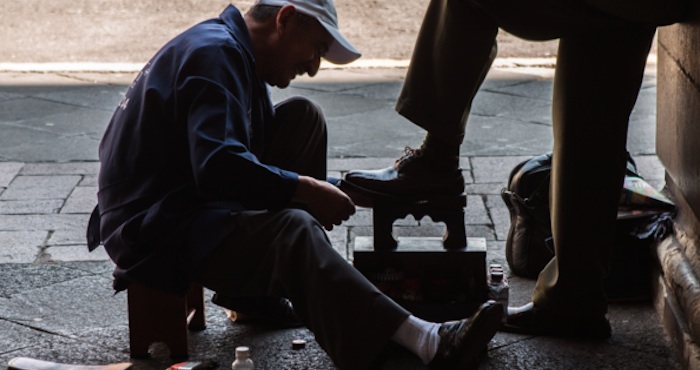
x,y
369,198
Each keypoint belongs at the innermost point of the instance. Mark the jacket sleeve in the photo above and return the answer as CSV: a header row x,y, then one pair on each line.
x,y
216,100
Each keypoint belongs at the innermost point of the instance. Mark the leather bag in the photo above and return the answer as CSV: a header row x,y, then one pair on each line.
x,y
529,246
527,199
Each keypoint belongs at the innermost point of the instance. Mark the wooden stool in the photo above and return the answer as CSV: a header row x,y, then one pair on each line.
x,y
155,316
447,209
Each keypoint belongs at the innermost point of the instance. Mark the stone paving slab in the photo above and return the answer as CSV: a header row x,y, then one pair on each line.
x,y
21,246
74,252
81,200
19,277
40,187
42,222
30,206
8,171
53,168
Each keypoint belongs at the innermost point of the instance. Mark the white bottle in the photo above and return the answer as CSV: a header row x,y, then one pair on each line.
x,y
498,287
243,361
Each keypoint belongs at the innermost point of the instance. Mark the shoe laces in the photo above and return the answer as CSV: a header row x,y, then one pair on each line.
x,y
408,155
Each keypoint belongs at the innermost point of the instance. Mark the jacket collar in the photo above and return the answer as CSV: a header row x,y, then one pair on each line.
x,y
233,19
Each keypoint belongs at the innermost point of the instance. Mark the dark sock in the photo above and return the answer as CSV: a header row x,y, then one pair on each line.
x,y
442,154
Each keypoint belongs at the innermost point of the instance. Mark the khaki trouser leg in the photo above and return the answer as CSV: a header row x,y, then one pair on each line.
x,y
453,53
596,84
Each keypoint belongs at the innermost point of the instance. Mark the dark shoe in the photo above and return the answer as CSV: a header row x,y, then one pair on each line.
x,y
267,310
461,342
531,320
412,177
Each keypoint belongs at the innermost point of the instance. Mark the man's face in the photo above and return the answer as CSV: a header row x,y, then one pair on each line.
x,y
302,43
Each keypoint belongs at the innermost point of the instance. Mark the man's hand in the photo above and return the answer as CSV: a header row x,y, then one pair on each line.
x,y
325,202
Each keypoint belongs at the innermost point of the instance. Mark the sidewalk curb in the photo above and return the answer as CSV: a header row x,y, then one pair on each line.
x,y
97,67
135,67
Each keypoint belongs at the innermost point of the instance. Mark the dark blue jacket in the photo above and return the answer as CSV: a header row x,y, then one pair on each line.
x,y
180,155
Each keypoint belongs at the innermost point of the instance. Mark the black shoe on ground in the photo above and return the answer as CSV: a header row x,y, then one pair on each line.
x,y
413,177
531,320
462,342
274,311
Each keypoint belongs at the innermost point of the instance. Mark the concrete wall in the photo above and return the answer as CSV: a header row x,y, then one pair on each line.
x,y
678,147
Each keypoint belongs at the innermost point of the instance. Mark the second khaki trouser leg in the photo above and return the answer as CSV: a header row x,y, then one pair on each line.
x,y
597,81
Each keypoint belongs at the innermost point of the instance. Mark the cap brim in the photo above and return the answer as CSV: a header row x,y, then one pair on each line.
x,y
341,51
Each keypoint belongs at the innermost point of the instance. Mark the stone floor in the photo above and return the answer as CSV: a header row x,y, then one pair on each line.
x,y
56,301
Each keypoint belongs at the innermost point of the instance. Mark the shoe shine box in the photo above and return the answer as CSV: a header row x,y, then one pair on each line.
x,y
428,280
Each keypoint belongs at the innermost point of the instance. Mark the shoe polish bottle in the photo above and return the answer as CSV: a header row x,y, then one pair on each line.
x,y
242,361
498,287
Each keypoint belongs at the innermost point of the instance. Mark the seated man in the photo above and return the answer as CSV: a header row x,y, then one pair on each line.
x,y
203,180
603,48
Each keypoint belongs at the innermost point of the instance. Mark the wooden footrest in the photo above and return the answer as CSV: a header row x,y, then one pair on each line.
x,y
448,209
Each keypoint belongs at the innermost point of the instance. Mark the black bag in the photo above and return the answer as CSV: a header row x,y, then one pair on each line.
x,y
527,199
529,245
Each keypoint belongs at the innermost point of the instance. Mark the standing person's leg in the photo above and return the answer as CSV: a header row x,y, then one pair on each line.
x,y
454,51
597,81
453,54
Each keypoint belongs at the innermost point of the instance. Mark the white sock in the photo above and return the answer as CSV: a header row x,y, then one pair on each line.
x,y
419,336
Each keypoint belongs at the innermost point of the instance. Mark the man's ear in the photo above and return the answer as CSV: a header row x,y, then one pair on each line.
x,y
284,16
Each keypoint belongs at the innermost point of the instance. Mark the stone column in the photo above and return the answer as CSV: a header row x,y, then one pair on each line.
x,y
678,147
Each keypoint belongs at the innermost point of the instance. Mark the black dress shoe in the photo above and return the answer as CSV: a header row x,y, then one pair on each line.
x,y
531,320
412,177
461,342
